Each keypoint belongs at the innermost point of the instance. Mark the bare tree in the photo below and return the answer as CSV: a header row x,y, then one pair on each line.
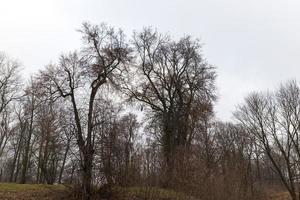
x,y
274,121
30,106
176,83
104,56
72,125
68,128
9,90
9,83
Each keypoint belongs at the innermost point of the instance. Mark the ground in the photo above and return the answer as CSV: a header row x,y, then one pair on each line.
x,y
151,193
33,192
280,196
10,191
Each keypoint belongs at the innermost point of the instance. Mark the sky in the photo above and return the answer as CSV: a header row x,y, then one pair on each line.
x,y
254,44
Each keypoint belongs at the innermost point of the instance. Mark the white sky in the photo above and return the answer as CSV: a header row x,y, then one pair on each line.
x,y
254,44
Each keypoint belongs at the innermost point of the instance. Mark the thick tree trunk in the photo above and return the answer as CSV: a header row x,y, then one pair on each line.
x,y
87,175
87,149
168,149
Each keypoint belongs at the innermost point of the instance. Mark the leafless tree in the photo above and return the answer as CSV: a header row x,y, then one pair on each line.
x,y
9,91
176,83
74,123
9,80
30,105
102,59
274,121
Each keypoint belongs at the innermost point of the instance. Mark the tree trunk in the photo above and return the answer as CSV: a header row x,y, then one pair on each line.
x,y
15,159
87,175
168,149
27,149
64,162
18,168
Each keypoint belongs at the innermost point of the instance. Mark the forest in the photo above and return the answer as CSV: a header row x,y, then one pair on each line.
x,y
137,113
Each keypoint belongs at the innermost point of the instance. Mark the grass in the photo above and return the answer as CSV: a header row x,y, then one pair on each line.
x,y
150,193
11,191
280,196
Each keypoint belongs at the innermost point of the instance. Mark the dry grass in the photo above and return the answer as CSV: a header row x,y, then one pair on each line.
x,y
59,192
280,196
10,191
150,193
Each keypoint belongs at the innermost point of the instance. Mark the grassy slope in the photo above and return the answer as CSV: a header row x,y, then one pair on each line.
x,y
138,193
10,191
150,193
57,192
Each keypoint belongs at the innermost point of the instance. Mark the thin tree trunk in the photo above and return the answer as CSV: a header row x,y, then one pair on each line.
x,y
27,150
15,159
18,168
64,161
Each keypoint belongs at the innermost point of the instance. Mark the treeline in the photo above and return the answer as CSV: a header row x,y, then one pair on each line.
x,y
139,112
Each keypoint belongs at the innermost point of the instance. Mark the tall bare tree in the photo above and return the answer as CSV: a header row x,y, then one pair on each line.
x,y
274,121
176,83
9,91
102,59
30,105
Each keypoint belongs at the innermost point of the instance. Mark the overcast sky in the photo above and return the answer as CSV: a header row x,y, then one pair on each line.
x,y
254,44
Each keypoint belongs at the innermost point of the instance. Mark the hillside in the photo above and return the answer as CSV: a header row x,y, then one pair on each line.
x,y
33,191
10,191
